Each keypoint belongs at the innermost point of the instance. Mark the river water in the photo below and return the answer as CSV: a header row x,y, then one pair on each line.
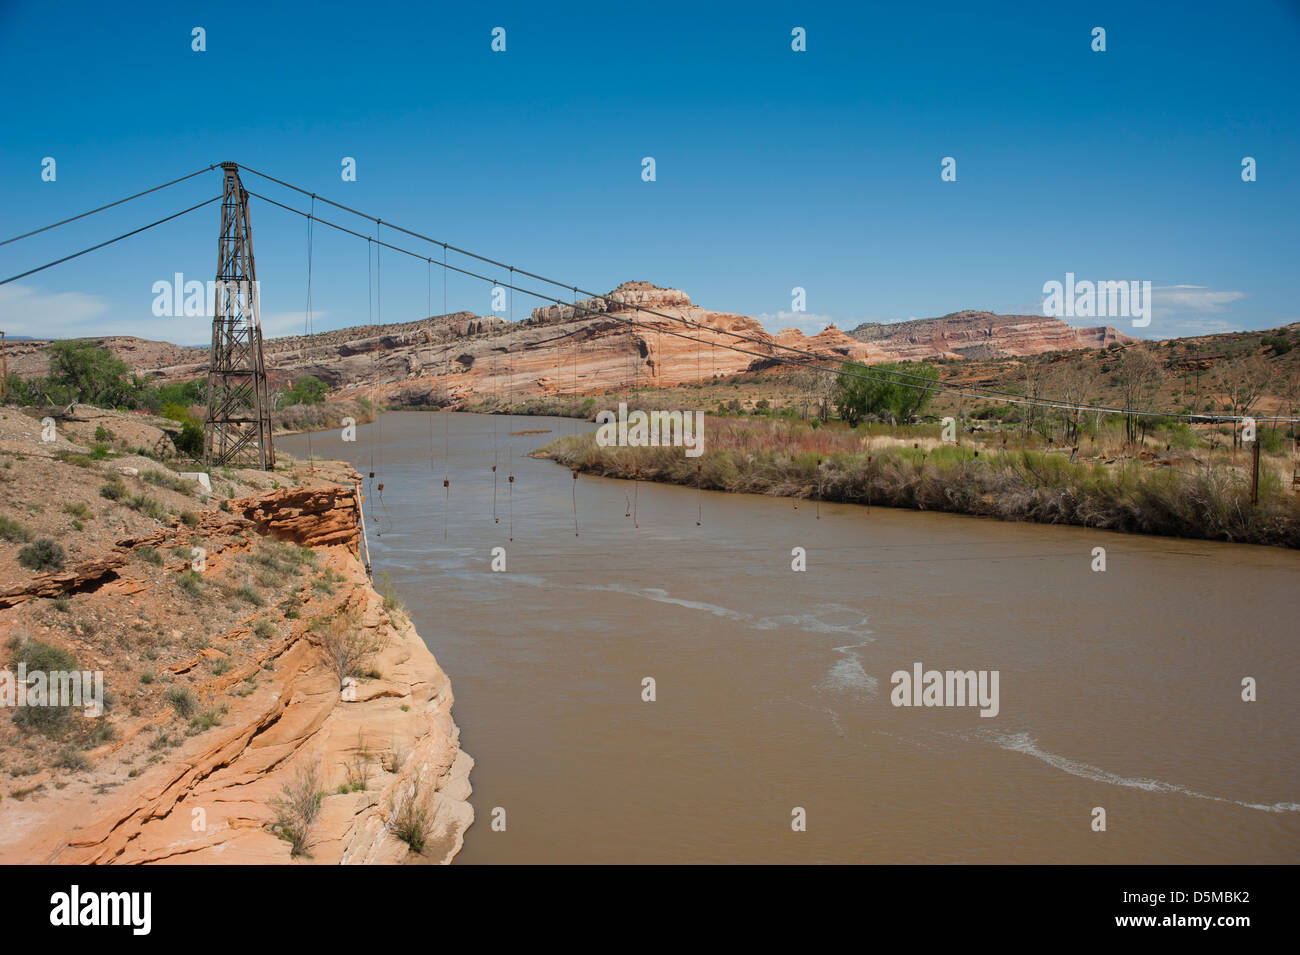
x,y
1118,690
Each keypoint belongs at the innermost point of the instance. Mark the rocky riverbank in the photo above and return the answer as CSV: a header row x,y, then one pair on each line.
x,y
263,702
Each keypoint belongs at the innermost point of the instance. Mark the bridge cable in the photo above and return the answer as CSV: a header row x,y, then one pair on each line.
x,y
574,419
124,235
55,225
311,223
446,422
510,394
812,360
807,359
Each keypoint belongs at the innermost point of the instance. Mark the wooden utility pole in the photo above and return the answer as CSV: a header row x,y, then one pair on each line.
x,y
4,370
1254,475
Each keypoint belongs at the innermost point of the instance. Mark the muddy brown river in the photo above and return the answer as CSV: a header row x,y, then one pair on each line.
x,y
773,704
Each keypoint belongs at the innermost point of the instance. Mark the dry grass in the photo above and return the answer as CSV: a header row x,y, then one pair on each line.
x,y
348,646
296,809
1207,501
411,816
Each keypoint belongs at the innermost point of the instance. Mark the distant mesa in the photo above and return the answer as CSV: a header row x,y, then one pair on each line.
x,y
980,334
634,336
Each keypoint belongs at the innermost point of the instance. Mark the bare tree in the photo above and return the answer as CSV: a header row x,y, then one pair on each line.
x,y
1243,383
1037,372
1137,371
1072,383
347,644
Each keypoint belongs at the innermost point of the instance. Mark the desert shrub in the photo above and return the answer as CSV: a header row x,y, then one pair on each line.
x,y
146,506
14,532
410,819
183,701
307,390
296,809
69,758
190,441
246,592
37,656
114,490
392,603
168,480
42,555
192,583
347,645
206,720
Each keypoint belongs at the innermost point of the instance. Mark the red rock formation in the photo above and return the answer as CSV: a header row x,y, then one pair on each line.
x,y
599,345
972,334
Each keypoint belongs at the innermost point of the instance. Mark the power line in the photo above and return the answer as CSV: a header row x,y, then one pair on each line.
x,y
83,215
808,360
125,235
812,360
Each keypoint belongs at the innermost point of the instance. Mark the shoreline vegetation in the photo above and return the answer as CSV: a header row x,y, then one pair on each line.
x,y
862,436
1145,494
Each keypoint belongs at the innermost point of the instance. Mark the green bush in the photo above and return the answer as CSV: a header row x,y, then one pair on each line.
x,y
190,440
89,373
114,490
307,390
191,583
14,532
183,701
41,555
45,658
887,391
146,506
166,479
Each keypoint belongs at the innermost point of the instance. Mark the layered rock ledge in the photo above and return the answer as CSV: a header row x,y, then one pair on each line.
x,y
203,783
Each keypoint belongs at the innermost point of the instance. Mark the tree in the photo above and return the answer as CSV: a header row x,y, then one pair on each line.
x,y
1072,383
92,374
307,390
852,394
1243,382
1135,372
891,390
1037,371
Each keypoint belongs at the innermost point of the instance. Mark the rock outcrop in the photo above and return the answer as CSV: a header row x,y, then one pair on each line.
x,y
639,335
973,334
224,698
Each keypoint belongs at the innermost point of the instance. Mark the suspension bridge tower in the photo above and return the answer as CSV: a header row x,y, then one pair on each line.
x,y
237,431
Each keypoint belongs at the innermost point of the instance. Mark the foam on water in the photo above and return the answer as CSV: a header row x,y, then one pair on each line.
x,y
846,675
662,596
1025,743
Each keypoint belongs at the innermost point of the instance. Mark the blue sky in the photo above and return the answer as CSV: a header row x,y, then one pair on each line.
x,y
775,169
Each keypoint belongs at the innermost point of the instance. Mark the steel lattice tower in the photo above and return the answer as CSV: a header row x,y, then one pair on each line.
x,y
238,427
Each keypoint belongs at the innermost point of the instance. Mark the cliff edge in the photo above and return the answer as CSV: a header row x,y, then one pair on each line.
x,y
269,706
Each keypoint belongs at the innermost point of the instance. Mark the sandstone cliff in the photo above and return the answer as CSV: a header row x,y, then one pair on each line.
x,y
601,345
219,694
973,334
